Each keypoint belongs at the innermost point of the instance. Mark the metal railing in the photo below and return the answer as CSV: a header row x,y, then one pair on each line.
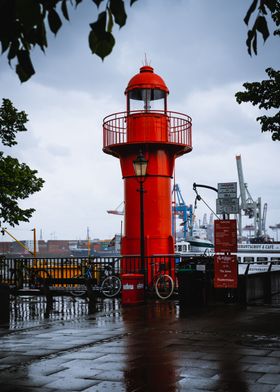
x,y
257,287
260,287
178,127
18,272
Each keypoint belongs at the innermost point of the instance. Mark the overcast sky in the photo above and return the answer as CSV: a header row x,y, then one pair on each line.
x,y
198,47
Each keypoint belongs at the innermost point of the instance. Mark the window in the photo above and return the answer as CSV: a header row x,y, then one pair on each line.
x,y
248,259
147,99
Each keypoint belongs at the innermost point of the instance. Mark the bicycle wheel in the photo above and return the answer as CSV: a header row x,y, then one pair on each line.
x,y
111,286
37,278
164,286
79,289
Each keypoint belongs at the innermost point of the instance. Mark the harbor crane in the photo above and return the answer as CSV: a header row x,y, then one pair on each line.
x,y
251,208
179,209
118,210
182,211
275,228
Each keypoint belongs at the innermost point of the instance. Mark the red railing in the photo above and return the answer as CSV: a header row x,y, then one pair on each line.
x,y
179,127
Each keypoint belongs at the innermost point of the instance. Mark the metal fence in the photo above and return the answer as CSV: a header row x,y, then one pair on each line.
x,y
260,287
20,272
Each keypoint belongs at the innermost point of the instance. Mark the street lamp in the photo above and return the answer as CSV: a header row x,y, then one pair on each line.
x,y
140,168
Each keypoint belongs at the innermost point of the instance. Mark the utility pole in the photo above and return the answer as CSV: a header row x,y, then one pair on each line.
x,y
34,242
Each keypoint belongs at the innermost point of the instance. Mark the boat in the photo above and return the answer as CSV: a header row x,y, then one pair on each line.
x,y
194,246
252,258
258,253
197,243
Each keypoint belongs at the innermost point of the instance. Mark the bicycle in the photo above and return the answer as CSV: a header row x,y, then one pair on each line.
x,y
109,284
162,283
23,273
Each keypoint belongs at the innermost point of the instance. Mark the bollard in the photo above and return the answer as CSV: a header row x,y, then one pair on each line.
x,y
49,297
91,298
4,303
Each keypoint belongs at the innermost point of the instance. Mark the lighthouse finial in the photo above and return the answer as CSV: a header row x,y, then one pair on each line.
x,y
146,62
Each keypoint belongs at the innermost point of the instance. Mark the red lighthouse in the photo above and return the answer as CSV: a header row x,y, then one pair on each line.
x,y
149,131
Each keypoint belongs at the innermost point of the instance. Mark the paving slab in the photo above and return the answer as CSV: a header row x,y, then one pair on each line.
x,y
156,346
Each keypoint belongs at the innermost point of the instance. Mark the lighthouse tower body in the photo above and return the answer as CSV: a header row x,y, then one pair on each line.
x,y
147,127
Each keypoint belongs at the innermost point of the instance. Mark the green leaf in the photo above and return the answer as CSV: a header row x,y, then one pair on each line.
x,y
271,5
265,95
37,36
13,50
261,26
28,12
97,2
110,21
118,10
11,122
4,44
132,2
254,44
64,9
250,11
19,181
101,45
99,27
41,37
262,8
250,36
92,41
54,21
24,68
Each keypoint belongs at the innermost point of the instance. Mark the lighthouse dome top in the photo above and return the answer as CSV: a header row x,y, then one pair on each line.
x,y
146,79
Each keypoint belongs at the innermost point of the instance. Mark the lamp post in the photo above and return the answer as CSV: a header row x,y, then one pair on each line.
x,y
140,168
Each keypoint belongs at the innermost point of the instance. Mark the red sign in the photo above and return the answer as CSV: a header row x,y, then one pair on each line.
x,y
225,233
225,271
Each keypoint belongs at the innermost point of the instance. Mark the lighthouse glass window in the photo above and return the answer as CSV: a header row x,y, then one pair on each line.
x,y
146,99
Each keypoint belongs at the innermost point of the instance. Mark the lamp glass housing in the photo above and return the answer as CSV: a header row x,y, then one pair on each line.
x,y
140,166
147,99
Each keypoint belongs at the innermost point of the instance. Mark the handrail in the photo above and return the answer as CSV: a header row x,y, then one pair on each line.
x,y
178,127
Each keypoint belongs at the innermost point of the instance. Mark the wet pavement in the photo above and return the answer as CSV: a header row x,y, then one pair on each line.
x,y
151,347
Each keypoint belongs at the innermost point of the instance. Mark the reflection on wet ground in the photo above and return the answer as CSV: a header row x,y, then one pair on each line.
x,y
33,310
156,346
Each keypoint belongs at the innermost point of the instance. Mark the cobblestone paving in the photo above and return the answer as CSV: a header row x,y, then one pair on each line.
x,y
151,347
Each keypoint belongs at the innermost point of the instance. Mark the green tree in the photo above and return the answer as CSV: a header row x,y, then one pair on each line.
x,y
17,180
23,26
265,94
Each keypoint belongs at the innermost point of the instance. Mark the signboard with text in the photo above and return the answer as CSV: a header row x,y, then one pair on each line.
x,y
227,206
225,234
227,190
227,202
225,271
